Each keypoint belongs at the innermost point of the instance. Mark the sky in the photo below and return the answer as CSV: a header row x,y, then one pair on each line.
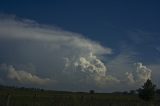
x,y
105,45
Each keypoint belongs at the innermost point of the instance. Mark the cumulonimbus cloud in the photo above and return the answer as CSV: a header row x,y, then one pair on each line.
x,y
140,75
57,55
51,49
131,74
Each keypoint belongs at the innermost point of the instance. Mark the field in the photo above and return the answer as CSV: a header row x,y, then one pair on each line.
x,y
13,97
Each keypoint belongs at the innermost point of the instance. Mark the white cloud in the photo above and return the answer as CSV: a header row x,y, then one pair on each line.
x,y
131,75
55,38
91,64
67,57
51,49
93,68
24,77
140,75
143,73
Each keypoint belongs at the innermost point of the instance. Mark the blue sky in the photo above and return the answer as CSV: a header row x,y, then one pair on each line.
x,y
126,33
100,20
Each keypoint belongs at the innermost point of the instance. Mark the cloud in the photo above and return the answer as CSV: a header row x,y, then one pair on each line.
x,y
41,54
140,75
54,37
11,74
143,72
23,77
91,64
155,73
121,63
93,69
141,37
129,73
66,57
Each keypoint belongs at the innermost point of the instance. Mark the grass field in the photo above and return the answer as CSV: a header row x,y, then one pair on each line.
x,y
14,97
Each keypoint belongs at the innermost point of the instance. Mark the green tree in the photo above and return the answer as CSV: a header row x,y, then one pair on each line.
x,y
148,90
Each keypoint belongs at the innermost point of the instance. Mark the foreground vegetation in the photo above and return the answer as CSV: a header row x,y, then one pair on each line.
x,y
10,96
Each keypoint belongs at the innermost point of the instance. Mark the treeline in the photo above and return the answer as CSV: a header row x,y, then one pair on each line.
x,y
133,92
147,95
5,87
16,88
130,92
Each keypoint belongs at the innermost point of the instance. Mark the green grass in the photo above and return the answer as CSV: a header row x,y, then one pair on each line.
x,y
49,98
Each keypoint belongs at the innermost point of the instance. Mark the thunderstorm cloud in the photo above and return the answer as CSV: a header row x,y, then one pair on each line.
x,y
59,59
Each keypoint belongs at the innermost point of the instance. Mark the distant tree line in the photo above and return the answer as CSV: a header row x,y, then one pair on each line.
x,y
148,89
5,87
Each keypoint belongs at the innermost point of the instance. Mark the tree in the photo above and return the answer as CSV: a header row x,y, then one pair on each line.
x,y
148,90
132,92
91,91
158,91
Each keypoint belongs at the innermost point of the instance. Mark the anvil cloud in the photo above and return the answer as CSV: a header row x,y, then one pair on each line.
x,y
60,59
